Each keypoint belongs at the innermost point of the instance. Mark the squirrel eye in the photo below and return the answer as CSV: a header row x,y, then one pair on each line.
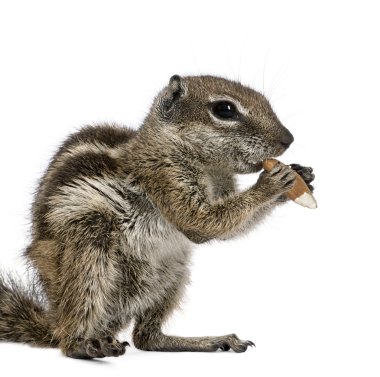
x,y
224,109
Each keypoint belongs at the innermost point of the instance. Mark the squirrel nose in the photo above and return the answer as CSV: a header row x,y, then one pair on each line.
x,y
286,139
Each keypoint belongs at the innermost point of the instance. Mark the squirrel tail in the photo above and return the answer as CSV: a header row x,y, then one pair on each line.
x,y
23,317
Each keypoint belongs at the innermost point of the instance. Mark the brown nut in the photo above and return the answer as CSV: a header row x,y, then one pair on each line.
x,y
300,193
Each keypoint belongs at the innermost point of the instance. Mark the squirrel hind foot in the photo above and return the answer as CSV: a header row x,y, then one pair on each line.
x,y
97,348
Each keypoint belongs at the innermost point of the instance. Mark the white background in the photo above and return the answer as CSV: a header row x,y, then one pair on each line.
x,y
305,285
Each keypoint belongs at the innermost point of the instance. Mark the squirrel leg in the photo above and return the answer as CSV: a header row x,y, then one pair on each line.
x,y
148,336
87,296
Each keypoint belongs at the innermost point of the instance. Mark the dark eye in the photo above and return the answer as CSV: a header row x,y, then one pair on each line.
x,y
224,109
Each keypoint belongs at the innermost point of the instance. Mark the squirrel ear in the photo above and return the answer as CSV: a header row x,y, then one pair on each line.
x,y
173,92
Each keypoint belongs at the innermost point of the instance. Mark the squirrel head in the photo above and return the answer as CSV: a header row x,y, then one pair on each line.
x,y
227,123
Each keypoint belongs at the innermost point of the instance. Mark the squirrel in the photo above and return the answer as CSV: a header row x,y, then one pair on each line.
x,y
118,210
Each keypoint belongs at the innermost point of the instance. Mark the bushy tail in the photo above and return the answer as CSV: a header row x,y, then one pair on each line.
x,y
22,315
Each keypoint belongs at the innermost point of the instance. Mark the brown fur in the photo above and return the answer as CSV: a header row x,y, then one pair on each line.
x,y
117,211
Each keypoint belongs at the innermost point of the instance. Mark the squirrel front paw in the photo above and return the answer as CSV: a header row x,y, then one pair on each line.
x,y
306,173
276,182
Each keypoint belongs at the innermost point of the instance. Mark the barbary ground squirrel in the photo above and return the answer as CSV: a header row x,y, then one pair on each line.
x,y
118,210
